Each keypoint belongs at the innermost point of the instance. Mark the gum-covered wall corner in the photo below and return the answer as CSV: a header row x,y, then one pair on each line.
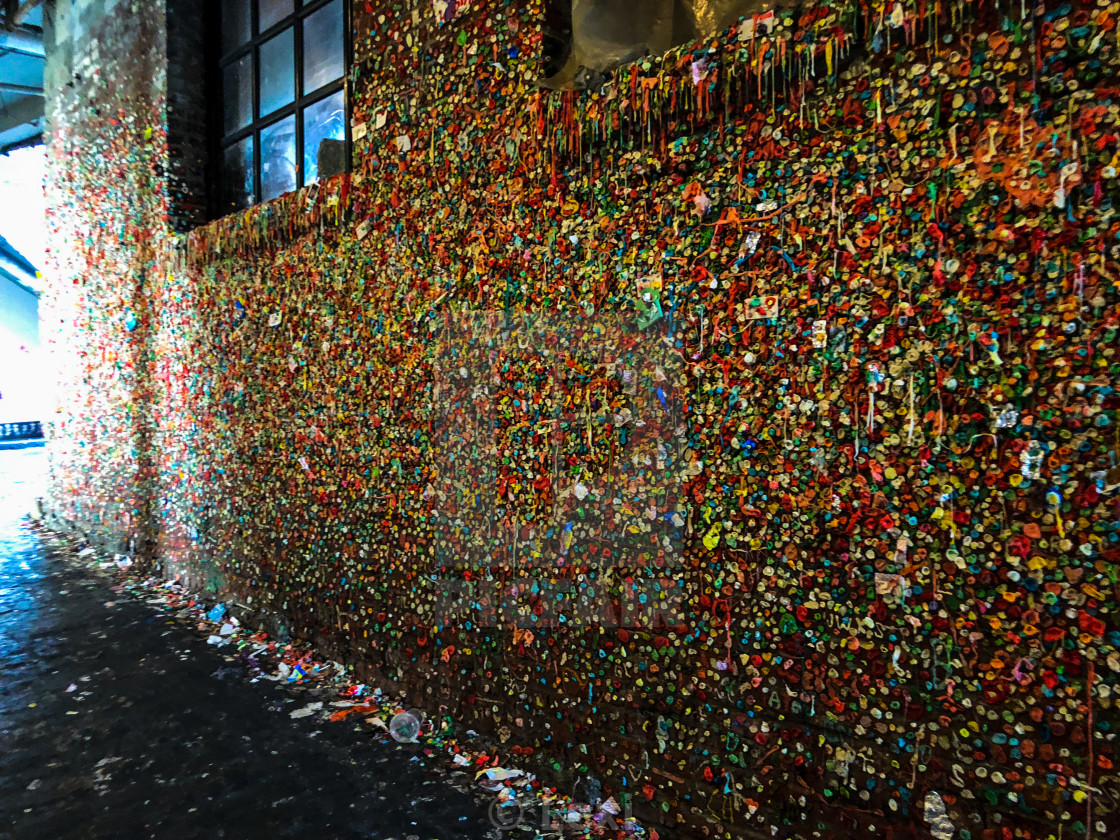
x,y
107,221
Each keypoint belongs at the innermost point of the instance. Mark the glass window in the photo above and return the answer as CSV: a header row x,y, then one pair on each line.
x,y
322,47
278,83
271,12
324,138
235,24
237,183
282,83
278,158
237,93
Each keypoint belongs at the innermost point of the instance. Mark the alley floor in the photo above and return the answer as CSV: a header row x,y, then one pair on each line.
x,y
118,723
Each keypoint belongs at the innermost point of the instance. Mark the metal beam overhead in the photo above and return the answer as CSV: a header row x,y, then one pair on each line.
x,y
23,41
26,90
34,140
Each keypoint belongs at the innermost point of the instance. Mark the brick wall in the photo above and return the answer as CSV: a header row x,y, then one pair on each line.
x,y
189,63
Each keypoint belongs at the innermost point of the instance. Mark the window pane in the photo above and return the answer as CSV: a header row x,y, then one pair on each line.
x,y
237,93
322,47
235,24
278,72
271,12
237,176
324,138
278,158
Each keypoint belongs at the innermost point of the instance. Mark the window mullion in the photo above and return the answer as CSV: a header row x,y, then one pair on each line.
x,y
233,137
320,93
233,56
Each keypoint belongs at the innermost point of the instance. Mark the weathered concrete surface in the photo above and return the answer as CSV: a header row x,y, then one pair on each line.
x,y
161,736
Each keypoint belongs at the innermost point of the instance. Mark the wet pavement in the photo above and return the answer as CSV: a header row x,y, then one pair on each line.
x,y
116,722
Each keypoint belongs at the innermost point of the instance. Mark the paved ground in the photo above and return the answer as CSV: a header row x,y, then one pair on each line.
x,y
161,737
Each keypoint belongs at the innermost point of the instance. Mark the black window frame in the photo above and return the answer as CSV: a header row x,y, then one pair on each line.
x,y
220,60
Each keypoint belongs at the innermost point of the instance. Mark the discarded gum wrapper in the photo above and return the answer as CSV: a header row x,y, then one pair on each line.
x,y
499,774
307,710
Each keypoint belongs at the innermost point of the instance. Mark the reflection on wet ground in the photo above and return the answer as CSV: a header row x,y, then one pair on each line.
x,y
117,723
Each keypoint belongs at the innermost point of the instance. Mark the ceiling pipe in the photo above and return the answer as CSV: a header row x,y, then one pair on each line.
x,y
13,268
35,140
26,90
23,41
